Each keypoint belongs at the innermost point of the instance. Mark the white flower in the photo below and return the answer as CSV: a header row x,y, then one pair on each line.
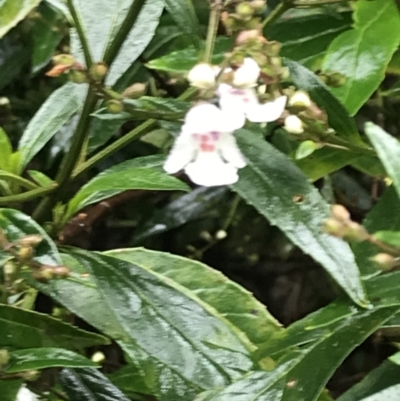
x,y
26,395
245,100
206,148
202,76
294,125
246,75
300,99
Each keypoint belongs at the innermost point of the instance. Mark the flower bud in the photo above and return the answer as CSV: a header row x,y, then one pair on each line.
x,y
64,59
247,35
98,71
30,375
293,125
32,240
134,91
259,6
273,48
244,10
98,357
115,106
61,272
340,213
336,79
202,76
58,70
300,101
9,269
77,77
355,232
384,261
333,227
4,357
221,234
25,254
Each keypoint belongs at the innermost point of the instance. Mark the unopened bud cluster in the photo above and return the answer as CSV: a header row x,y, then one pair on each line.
x,y
22,253
245,15
340,225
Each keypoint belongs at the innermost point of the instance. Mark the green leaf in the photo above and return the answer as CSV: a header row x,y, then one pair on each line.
x,y
5,151
89,385
281,193
46,34
16,225
390,237
44,331
385,215
6,176
361,55
305,149
42,179
53,114
247,313
134,306
180,211
43,358
100,36
384,377
338,116
305,376
255,386
388,149
182,61
184,14
325,161
101,131
130,380
395,358
9,389
12,12
112,182
306,38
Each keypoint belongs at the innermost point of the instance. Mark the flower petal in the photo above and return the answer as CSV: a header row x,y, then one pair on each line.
x,y
293,124
210,170
247,75
181,154
231,120
265,113
25,394
235,100
230,151
203,118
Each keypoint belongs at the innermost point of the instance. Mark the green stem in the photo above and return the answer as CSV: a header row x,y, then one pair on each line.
x,y
340,143
27,196
71,157
212,30
114,147
122,142
81,33
275,14
315,3
123,31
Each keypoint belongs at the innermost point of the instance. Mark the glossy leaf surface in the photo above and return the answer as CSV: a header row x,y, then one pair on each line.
x,y
89,385
247,314
43,358
361,54
12,12
281,193
53,114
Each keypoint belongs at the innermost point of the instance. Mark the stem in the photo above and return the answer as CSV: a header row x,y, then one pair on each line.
x,y
280,9
122,142
315,3
26,196
387,248
114,147
81,33
212,30
123,31
70,158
